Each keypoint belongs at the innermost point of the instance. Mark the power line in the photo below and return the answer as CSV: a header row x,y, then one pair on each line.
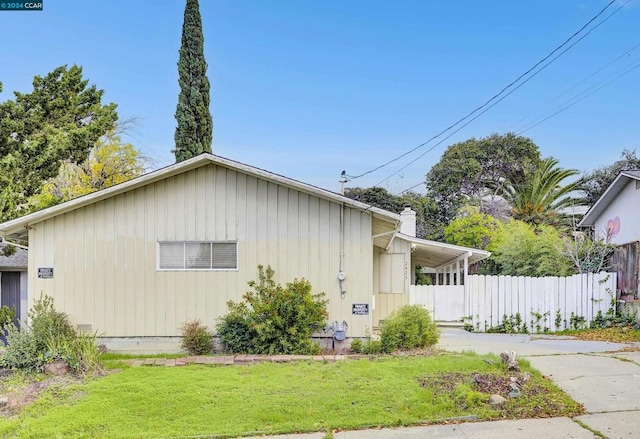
x,y
409,188
582,98
503,97
499,93
512,128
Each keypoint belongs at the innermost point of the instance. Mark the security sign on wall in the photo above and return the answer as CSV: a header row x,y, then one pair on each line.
x,y
45,272
360,309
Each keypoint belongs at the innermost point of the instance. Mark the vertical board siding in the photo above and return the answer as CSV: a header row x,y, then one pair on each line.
x,y
104,255
537,300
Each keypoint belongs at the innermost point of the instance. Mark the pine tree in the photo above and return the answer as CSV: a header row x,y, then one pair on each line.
x,y
195,125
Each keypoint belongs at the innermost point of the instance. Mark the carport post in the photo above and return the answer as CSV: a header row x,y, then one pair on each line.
x,y
467,297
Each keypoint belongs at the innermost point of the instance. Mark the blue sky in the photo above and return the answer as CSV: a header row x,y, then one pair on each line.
x,y
310,88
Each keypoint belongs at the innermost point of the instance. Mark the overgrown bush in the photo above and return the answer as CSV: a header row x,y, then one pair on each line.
x,y
21,351
7,315
273,319
196,338
235,331
46,323
81,352
372,347
356,346
409,327
49,337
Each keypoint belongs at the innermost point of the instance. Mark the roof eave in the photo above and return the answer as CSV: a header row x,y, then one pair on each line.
x,y
19,224
589,218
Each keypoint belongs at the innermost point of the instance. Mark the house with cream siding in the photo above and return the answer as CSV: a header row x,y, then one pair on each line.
x,y
135,261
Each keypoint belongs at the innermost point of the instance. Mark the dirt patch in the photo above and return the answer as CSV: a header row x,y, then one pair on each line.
x,y
22,390
538,399
489,383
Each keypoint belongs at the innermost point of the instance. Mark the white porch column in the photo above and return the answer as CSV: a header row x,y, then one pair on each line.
x,y
458,273
467,296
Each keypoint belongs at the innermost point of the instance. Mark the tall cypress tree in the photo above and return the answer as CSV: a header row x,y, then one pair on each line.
x,y
195,125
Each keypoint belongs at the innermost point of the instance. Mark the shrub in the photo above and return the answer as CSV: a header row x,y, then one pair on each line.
x,y
409,327
273,319
372,347
356,346
49,337
81,353
235,331
7,315
196,338
46,323
88,353
21,351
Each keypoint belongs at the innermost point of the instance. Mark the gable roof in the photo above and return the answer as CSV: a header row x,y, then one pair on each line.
x,y
623,178
18,226
17,260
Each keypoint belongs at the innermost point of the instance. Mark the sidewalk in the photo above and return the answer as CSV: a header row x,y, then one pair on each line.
x,y
555,428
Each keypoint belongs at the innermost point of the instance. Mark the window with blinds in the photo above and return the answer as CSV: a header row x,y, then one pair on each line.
x,y
190,255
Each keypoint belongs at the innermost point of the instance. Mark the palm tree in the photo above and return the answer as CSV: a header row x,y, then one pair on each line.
x,y
540,198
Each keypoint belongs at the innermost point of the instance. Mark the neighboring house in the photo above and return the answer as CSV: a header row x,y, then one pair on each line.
x,y
614,216
13,280
135,261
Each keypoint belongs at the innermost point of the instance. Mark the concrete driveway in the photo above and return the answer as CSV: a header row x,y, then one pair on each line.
x,y
597,374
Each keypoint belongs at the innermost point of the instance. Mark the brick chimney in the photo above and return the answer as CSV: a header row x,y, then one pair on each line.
x,y
408,221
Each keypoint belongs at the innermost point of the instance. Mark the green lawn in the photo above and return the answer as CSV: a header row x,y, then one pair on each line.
x,y
271,398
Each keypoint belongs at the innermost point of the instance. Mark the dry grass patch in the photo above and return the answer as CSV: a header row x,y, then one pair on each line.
x,y
623,334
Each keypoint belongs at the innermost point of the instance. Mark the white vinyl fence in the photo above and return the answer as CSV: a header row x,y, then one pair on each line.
x,y
543,303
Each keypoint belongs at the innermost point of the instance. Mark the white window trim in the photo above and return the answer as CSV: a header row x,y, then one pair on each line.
x,y
195,269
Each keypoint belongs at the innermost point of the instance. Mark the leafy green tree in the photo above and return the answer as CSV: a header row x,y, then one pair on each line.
x,y
594,183
382,198
195,125
467,169
540,198
519,249
110,162
376,196
61,119
471,229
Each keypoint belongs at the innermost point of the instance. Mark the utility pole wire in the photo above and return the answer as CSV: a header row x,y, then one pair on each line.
x,y
503,97
582,98
512,127
494,97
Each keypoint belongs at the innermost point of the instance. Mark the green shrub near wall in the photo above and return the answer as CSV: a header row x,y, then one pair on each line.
x,y
274,319
409,327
